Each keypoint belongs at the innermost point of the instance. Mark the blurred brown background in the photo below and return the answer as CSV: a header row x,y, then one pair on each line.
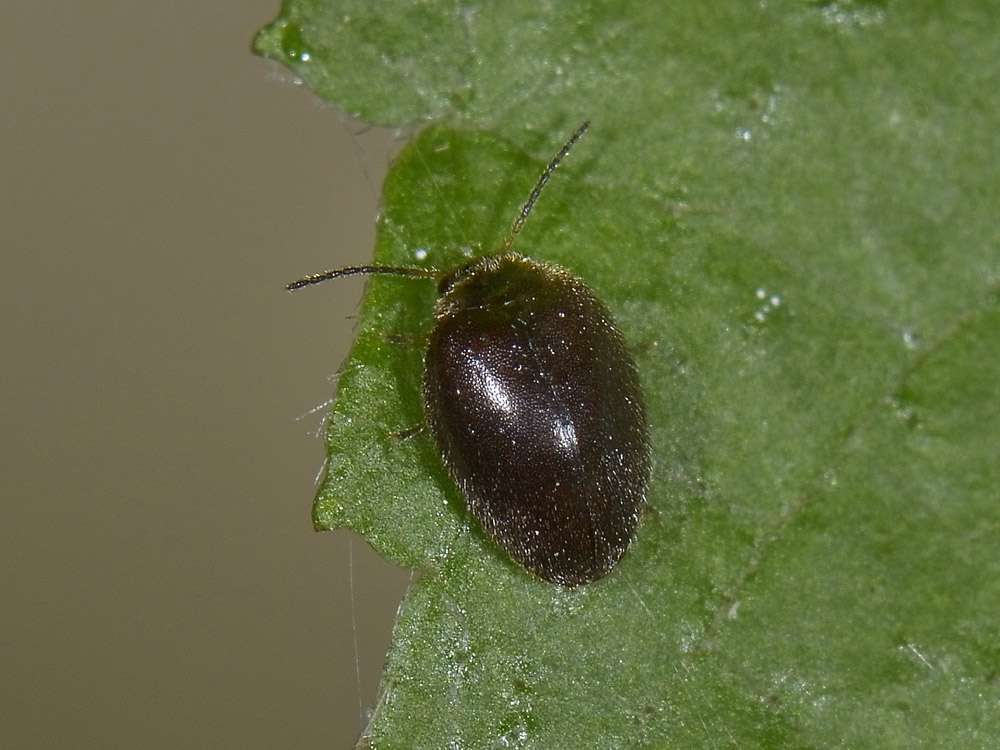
x,y
163,587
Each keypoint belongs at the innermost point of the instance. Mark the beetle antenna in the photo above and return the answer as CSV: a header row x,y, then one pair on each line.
x,y
526,208
422,273
336,273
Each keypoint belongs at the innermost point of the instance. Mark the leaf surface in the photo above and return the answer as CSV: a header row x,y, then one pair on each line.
x,y
791,210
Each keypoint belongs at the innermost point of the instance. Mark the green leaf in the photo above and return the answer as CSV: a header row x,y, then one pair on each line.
x,y
791,208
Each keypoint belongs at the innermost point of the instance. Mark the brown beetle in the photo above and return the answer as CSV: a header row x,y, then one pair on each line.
x,y
535,404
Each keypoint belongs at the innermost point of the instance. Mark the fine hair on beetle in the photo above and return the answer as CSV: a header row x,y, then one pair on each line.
x,y
535,404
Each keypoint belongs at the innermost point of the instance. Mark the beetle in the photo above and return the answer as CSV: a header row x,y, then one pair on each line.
x,y
535,404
